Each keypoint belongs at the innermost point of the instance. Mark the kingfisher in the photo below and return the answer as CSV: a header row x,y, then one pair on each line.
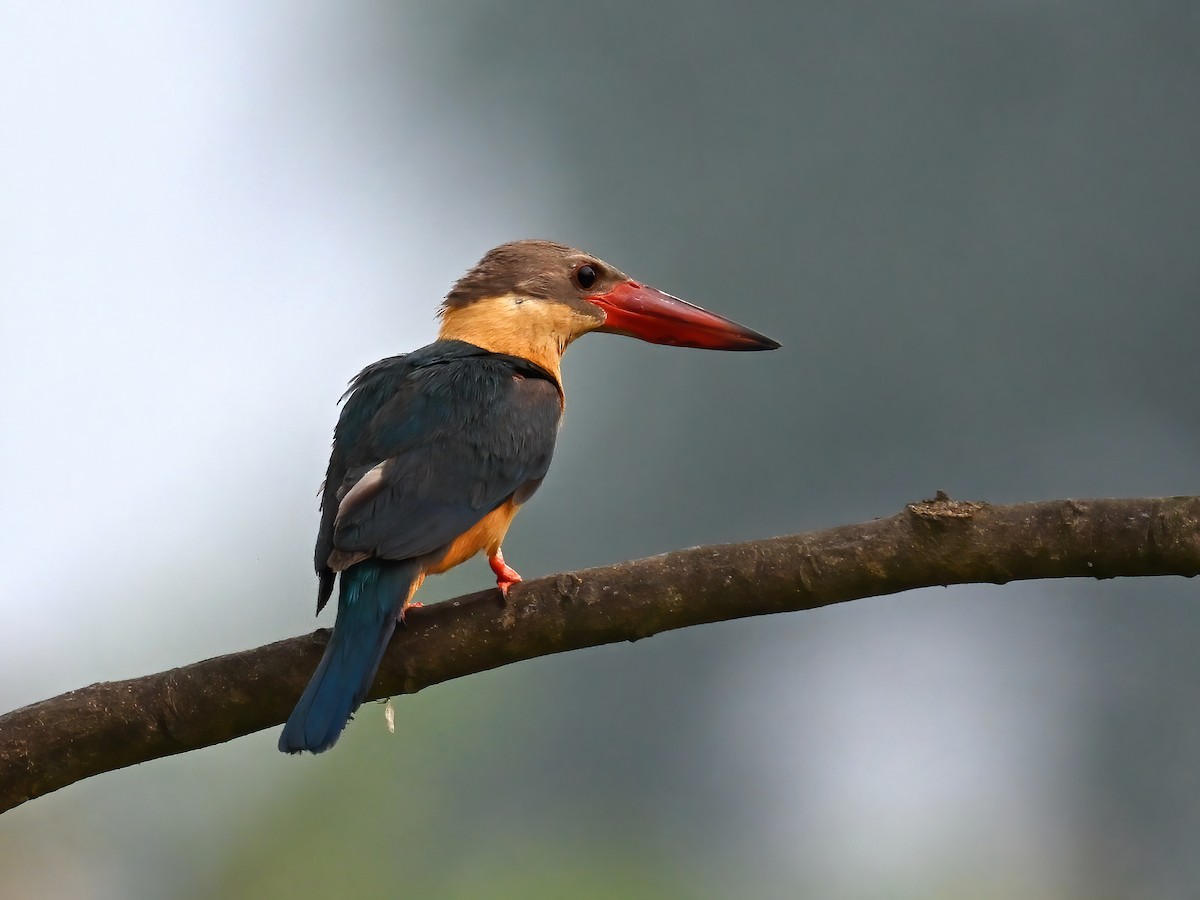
x,y
436,450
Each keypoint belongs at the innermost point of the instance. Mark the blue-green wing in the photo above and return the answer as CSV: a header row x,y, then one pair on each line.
x,y
426,446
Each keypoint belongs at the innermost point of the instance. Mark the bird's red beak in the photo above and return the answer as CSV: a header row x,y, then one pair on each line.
x,y
642,312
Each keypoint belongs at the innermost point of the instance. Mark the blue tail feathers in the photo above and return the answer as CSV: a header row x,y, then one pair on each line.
x,y
369,599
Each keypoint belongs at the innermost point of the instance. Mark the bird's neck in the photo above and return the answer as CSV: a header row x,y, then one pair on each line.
x,y
536,330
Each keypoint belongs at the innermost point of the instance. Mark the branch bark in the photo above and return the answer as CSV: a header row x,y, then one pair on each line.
x,y
107,726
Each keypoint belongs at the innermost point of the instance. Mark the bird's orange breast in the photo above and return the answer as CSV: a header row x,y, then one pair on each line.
x,y
487,534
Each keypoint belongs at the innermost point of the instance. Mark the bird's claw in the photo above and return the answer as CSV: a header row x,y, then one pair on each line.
x,y
404,611
506,576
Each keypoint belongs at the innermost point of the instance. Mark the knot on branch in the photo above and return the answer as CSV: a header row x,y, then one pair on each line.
x,y
943,508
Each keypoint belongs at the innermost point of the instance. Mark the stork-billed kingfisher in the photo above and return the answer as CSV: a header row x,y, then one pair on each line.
x,y
436,450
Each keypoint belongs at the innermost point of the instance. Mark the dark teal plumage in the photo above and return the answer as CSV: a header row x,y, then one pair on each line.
x,y
460,431
366,618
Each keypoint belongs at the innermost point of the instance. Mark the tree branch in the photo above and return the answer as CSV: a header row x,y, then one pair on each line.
x,y
110,725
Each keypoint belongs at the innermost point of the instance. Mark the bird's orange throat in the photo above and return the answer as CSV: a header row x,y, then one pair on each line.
x,y
535,330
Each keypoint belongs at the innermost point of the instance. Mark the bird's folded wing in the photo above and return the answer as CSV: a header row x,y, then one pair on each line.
x,y
425,449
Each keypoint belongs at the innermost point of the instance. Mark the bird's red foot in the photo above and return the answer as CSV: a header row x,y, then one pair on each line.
x,y
404,611
505,576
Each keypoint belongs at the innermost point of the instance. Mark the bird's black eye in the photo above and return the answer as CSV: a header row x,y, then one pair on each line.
x,y
586,276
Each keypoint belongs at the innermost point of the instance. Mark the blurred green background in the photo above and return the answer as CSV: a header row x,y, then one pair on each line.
x,y
972,225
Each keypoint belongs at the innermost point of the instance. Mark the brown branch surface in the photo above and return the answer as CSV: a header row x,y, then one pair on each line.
x,y
110,725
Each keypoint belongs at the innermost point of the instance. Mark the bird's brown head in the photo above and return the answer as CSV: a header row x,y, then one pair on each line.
x,y
535,297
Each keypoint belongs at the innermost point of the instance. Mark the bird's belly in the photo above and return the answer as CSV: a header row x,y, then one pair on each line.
x,y
486,534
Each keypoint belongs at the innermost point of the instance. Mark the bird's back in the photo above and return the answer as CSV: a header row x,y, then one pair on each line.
x,y
457,430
